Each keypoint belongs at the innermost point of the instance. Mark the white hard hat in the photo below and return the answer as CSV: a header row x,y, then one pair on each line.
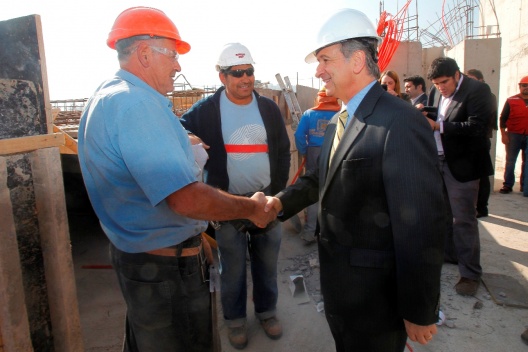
x,y
343,24
233,54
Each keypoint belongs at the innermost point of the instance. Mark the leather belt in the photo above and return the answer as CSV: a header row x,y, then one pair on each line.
x,y
181,250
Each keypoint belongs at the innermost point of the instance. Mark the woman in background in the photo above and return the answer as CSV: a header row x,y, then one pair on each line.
x,y
392,81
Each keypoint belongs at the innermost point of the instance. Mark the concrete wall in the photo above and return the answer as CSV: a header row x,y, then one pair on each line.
x,y
407,60
511,17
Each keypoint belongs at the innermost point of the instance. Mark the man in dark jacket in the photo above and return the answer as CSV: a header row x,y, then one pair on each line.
x,y
249,151
460,129
381,210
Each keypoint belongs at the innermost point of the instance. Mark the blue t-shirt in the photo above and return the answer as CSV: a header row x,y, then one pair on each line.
x,y
246,143
311,129
133,153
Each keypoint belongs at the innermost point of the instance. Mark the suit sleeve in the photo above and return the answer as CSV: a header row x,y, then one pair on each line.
x,y
413,187
298,196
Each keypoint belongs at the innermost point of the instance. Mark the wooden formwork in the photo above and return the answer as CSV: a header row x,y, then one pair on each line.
x,y
38,298
184,99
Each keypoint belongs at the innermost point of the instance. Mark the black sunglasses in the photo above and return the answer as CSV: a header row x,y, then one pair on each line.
x,y
239,73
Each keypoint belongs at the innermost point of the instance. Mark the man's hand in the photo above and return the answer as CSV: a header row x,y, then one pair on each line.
x,y
273,203
262,215
420,333
434,125
197,140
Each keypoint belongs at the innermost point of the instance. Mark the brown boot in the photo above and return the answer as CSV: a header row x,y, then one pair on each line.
x,y
272,327
238,337
467,287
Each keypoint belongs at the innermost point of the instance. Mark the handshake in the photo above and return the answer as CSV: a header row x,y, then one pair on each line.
x,y
265,209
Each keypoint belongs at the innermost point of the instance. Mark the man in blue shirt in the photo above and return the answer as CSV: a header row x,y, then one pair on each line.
x,y
141,177
309,137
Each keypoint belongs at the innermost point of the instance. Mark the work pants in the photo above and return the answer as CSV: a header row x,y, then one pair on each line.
x,y
168,302
264,253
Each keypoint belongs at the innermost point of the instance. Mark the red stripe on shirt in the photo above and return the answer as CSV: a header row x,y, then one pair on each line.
x,y
246,148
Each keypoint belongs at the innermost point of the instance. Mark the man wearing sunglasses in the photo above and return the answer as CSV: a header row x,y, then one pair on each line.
x,y
142,179
249,152
514,135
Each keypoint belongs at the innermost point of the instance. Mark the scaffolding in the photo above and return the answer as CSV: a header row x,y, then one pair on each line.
x,y
458,20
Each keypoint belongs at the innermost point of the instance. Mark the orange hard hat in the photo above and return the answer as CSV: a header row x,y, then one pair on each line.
x,y
145,21
524,79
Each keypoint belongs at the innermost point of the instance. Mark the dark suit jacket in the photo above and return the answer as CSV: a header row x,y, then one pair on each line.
x,y
382,200
466,130
422,99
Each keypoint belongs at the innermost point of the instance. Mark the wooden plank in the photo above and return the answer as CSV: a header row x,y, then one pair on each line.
x,y
56,249
28,144
44,72
70,144
14,324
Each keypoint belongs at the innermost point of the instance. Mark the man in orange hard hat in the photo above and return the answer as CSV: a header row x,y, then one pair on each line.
x,y
143,182
514,132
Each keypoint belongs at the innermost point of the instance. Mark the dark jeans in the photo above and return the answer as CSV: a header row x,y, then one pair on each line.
x,y
264,252
168,302
517,144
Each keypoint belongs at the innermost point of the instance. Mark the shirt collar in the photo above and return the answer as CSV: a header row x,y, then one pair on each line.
x,y
138,82
358,98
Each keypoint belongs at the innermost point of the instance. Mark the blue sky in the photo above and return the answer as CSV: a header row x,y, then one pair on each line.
x,y
278,34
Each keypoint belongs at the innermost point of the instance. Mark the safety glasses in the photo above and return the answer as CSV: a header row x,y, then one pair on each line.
x,y
523,85
167,52
239,73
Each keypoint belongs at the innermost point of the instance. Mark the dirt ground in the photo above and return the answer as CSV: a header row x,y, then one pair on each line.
x,y
472,324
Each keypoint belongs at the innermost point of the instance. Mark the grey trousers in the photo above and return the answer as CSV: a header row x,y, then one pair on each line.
x,y
463,239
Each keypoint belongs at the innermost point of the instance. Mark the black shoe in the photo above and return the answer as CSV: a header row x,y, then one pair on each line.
x,y
482,214
505,190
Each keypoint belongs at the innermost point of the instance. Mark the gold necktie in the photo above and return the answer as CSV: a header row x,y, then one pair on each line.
x,y
340,128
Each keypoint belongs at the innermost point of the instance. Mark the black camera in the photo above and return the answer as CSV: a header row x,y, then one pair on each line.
x,y
429,109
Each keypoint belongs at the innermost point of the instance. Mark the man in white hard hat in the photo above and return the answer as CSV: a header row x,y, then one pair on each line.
x,y
381,214
141,177
249,152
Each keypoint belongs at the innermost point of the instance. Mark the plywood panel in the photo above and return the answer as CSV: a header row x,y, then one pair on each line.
x,y
13,315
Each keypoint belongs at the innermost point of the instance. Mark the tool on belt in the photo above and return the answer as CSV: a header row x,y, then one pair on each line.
x,y
214,285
